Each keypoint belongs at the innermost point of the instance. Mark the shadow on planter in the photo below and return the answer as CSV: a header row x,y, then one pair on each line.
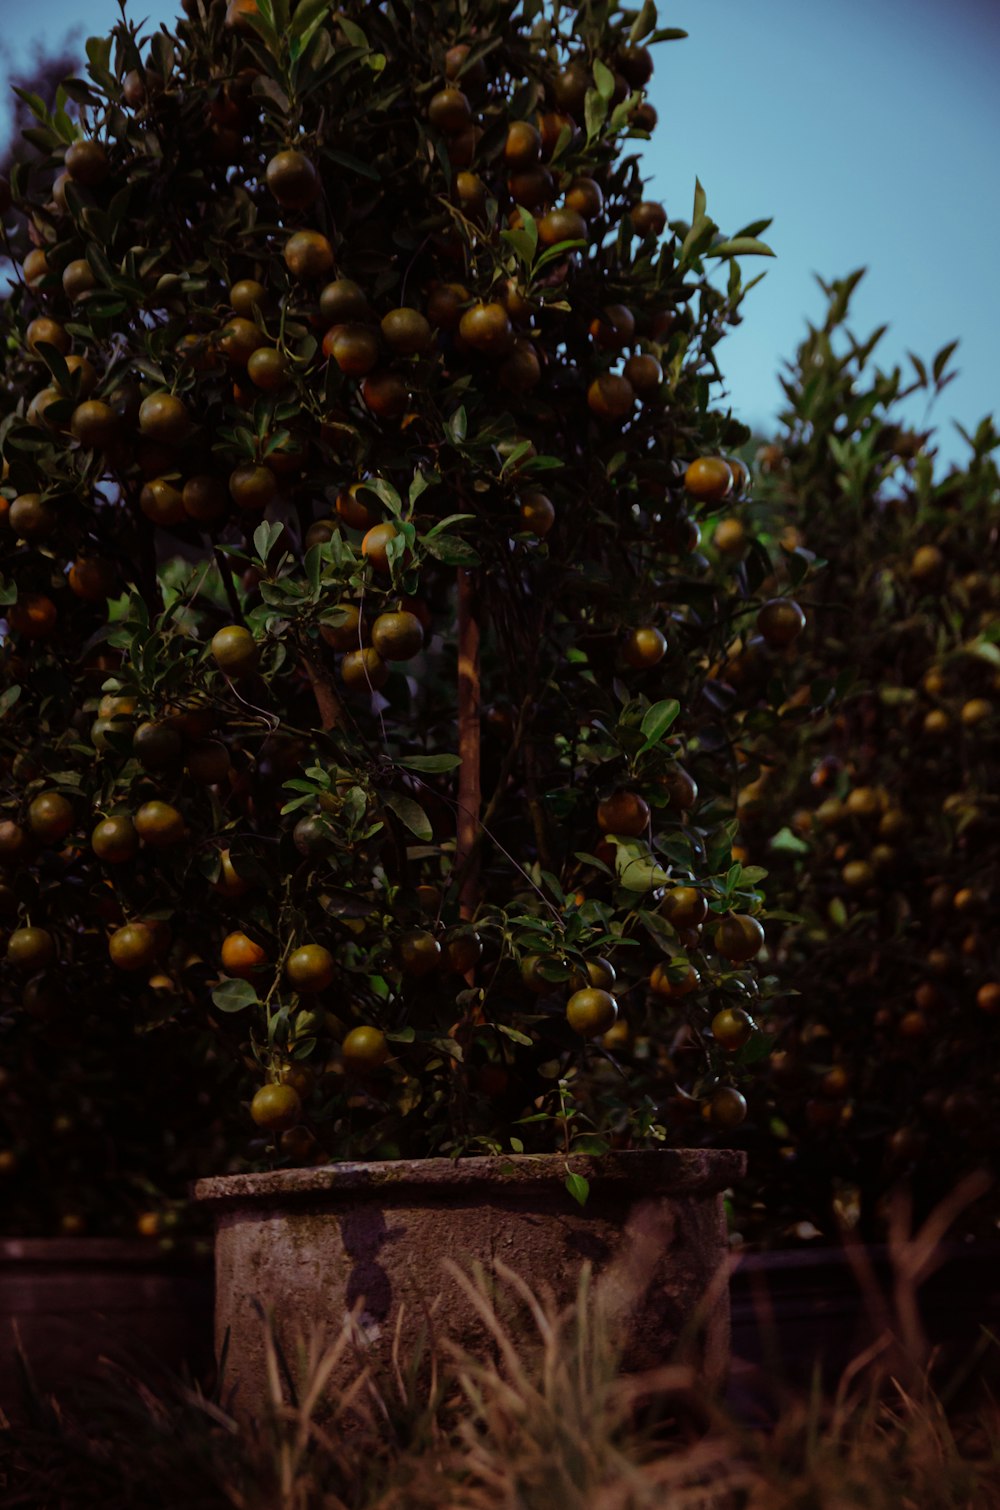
x,y
362,1245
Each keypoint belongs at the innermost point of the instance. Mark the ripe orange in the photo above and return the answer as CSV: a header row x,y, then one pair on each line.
x,y
585,197
252,487
246,296
739,937
523,145
309,969
230,883
681,787
276,1107
43,331
649,218
662,985
292,179
449,110
87,162
234,650
730,536
644,647
30,949
709,479
78,279
241,957
50,817
386,394
364,1050
397,636
732,1028
354,348
644,373
988,997
133,947
94,424
267,369
624,813
727,1108
419,953
308,254
561,225
33,615
406,331
343,302
611,397
35,267
780,622
345,634
927,565
591,1011
445,303
163,503
205,498
374,546
462,950
164,417
614,327
31,518
92,579
538,513
115,840
684,907
239,339
487,329
364,670
160,825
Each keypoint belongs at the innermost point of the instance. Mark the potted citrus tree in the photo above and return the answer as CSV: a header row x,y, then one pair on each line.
x,y
358,431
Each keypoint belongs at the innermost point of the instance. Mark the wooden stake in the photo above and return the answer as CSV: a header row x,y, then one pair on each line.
x,y
469,774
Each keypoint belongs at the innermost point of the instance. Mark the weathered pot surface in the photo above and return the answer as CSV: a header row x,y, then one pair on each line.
x,y
357,1247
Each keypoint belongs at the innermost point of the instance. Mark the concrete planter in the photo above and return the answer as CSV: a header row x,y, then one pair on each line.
x,y
75,1300
315,1247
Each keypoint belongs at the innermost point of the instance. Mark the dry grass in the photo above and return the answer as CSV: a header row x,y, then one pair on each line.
x,y
548,1424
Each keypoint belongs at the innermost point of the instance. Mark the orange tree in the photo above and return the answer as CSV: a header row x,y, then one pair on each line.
x,y
361,702
879,822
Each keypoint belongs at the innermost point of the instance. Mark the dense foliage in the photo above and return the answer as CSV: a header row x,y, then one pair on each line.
x,y
363,704
879,821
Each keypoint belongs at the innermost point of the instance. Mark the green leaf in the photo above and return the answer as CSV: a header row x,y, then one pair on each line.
x,y
430,763
643,24
453,552
604,79
234,996
8,699
402,1035
589,1143
513,1034
657,720
741,246
410,813
578,1187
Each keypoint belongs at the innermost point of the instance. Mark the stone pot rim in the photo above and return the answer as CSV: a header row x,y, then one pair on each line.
x,y
659,1171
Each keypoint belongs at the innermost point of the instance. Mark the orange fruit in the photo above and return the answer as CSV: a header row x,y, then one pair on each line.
x,y
780,622
732,1028
241,957
727,1108
309,969
239,339
354,348
160,825
276,1107
614,327
267,369
662,985
115,840
684,907
644,648
30,949
739,937
649,218
94,424
133,947
397,636
343,302
374,546
50,817
92,579
292,179
87,162
205,498
163,503
419,953
449,110
709,479
308,254
538,513
252,487
585,197
33,615
164,417
561,225
364,670
364,1050
487,329
234,650
386,394
406,331
78,279
611,397
624,813
591,1011
345,634
247,295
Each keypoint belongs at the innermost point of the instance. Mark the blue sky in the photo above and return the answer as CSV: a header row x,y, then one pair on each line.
x,y
869,130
